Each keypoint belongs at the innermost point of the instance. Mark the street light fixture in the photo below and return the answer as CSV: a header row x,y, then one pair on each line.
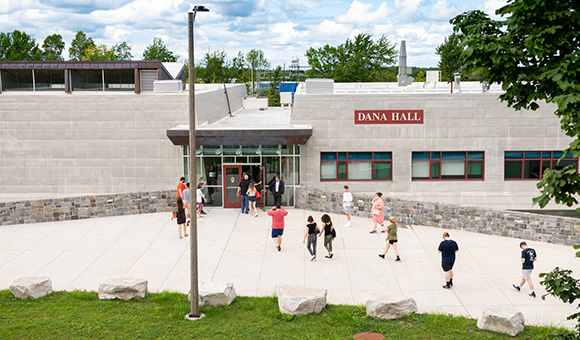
x,y
194,314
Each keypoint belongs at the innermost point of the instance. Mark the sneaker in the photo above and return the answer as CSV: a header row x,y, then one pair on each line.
x,y
347,225
533,294
447,286
451,283
517,287
279,248
256,215
331,255
399,259
203,212
313,258
373,232
382,256
187,224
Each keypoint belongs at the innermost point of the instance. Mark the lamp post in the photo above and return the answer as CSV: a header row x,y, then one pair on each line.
x,y
194,314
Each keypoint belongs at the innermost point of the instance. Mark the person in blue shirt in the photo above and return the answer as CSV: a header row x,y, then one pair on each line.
x,y
448,248
528,258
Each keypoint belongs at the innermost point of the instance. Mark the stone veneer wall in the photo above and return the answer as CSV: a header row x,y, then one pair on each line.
x,y
74,208
544,228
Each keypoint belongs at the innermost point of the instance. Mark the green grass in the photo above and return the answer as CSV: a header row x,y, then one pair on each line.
x,y
81,315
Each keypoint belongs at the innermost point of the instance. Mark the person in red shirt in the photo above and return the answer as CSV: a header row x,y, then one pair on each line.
x,y
181,187
277,213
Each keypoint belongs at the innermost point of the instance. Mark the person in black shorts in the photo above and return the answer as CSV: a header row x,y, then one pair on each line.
x,y
448,248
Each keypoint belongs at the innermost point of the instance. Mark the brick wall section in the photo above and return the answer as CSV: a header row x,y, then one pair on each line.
x,y
74,208
525,226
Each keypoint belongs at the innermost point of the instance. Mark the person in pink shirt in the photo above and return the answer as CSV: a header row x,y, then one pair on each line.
x,y
277,213
377,212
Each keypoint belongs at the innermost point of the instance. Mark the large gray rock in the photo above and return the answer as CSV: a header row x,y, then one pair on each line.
x,y
215,294
390,307
123,288
502,319
297,300
31,287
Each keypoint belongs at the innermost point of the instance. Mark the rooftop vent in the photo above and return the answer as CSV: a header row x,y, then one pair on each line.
x,y
314,86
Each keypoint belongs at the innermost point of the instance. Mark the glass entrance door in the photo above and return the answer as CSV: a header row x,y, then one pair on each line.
x,y
231,182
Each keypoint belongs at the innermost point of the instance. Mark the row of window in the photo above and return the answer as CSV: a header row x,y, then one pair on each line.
x,y
81,80
465,165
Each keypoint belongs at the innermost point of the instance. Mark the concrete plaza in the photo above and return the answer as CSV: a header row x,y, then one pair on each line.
x,y
237,248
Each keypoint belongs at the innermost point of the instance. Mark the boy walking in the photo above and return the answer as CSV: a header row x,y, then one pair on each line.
x,y
277,213
346,204
448,248
528,258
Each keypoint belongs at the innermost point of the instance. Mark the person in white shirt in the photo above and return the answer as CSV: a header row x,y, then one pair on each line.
x,y
346,204
200,197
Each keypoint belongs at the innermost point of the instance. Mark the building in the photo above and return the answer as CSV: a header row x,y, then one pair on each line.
x,y
419,142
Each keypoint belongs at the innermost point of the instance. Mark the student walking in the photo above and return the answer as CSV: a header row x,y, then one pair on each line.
x,y
311,232
448,248
180,187
528,258
377,212
200,197
277,213
180,217
252,198
187,203
329,234
392,239
346,204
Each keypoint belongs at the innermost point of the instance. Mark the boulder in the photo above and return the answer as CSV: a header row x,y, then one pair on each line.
x,y
123,288
390,307
31,287
297,300
505,320
215,294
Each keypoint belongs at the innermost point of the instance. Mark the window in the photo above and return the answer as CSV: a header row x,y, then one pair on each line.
x,y
520,165
17,80
448,165
356,166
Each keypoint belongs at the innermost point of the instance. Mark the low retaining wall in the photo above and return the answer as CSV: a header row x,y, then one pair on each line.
x,y
527,226
74,208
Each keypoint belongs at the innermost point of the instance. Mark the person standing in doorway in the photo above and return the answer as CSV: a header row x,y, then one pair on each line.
x,y
528,258
377,212
243,191
278,213
327,229
392,239
346,204
277,188
203,190
187,203
448,248
181,187
312,231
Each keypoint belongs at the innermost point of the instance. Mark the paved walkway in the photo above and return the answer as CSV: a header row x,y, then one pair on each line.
x,y
237,248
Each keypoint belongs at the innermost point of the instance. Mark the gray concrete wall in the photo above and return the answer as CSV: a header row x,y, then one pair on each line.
x,y
452,122
97,143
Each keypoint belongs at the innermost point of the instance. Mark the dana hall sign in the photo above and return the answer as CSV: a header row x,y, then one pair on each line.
x,y
388,116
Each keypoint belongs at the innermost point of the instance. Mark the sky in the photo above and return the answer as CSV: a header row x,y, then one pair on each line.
x,y
284,30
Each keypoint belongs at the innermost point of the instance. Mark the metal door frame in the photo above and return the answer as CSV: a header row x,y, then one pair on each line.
x,y
225,186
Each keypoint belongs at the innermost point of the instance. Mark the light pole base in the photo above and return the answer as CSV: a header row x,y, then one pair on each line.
x,y
194,318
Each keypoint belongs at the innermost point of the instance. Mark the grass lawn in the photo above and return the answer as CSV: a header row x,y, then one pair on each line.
x,y
81,315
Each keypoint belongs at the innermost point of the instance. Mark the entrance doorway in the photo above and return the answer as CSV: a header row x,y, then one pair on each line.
x,y
233,174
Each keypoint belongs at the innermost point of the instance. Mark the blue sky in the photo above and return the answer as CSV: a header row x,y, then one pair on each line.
x,y
284,30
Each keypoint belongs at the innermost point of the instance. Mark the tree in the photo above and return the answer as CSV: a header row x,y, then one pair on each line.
x,y
239,71
450,54
256,60
120,51
19,46
359,60
210,69
535,54
52,47
158,51
79,46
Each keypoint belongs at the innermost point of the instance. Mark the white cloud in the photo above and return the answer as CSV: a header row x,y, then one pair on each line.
x,y
284,33
361,13
406,9
443,11
329,28
491,6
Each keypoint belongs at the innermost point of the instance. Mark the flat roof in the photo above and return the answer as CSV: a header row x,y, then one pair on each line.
x,y
88,65
246,127
471,87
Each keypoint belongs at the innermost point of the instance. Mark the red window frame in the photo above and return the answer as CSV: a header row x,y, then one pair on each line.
x,y
551,159
372,160
441,160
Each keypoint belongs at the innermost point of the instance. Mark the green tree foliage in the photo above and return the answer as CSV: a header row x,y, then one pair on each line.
x,y
101,52
18,45
158,51
79,46
257,62
420,77
359,60
451,60
535,54
52,47
211,67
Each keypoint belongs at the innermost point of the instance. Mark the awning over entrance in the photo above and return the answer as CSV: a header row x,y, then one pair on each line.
x,y
298,135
